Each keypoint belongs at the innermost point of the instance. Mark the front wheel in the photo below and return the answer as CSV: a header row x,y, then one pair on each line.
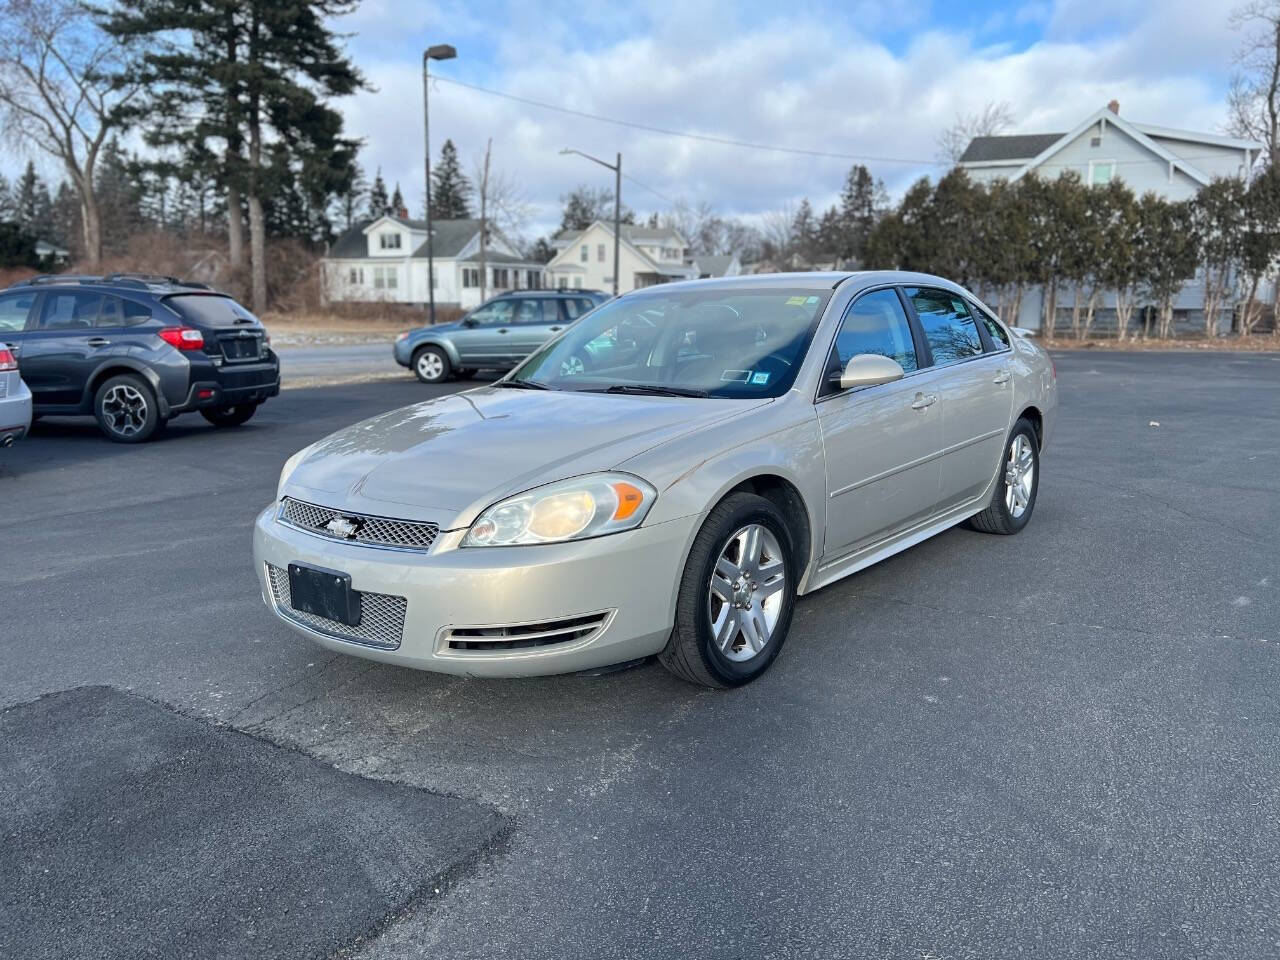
x,y
431,365
736,596
229,415
1016,484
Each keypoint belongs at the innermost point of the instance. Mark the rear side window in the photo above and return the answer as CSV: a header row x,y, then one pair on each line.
x,y
948,324
70,310
875,323
211,310
14,308
999,339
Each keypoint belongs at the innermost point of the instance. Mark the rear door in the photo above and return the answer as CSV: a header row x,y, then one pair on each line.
x,y
977,400
881,443
535,321
230,331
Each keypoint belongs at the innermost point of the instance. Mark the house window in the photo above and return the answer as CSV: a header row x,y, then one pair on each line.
x,y
500,278
534,281
385,278
355,276
586,253
600,252
470,277
389,241
562,283
1101,171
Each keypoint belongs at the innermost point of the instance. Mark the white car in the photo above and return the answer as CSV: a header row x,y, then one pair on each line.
x,y
772,435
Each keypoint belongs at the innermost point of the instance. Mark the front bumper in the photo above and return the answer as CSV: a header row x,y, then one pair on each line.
x,y
628,580
402,350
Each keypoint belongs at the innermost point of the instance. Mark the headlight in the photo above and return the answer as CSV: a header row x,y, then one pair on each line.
x,y
573,509
289,466
402,336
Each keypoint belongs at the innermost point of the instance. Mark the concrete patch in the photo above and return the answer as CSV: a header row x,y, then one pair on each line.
x,y
128,830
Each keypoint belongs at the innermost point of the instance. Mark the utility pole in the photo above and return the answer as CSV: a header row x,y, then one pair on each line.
x,y
617,206
439,52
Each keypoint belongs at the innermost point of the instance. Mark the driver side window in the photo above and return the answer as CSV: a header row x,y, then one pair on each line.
x,y
495,313
875,323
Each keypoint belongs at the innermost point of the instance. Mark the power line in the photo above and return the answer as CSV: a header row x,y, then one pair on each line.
x,y
644,186
705,138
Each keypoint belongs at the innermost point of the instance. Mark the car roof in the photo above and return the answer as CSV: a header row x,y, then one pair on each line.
x,y
133,282
548,293
817,281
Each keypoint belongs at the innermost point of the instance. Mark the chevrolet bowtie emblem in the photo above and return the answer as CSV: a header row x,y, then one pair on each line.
x,y
343,527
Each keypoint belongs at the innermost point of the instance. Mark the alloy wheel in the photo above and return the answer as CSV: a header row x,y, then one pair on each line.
x,y
430,366
745,596
125,410
1019,476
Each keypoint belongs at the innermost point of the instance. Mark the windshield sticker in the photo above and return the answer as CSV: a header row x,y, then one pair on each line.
x,y
795,302
735,376
812,300
761,378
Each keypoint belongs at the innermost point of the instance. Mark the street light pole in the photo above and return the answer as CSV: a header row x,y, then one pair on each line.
x,y
439,52
617,205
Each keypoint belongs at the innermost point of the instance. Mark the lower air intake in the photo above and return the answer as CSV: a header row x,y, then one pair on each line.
x,y
525,636
381,615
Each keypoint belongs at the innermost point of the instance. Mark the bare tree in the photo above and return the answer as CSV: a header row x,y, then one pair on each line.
x,y
62,89
992,119
503,207
1253,102
777,229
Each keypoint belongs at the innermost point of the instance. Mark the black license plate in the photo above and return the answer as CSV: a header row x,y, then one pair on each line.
x,y
324,593
241,348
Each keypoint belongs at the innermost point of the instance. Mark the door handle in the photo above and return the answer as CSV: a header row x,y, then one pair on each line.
x,y
98,341
555,329
503,330
1001,377
921,401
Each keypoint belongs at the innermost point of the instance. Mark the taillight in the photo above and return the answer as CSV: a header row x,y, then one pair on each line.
x,y
184,338
7,360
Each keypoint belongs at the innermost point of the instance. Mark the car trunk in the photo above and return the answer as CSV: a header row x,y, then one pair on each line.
x,y
230,331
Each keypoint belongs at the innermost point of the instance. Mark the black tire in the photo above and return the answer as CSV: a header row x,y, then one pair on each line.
x,y
998,517
465,373
230,414
126,409
429,370
691,653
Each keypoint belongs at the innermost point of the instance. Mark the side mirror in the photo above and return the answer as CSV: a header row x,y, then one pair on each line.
x,y
468,321
868,370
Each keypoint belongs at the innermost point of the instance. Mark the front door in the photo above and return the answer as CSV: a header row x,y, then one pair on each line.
x,y
881,443
65,345
486,339
976,392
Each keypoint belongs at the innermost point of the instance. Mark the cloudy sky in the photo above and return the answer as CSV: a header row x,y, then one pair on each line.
x,y
867,79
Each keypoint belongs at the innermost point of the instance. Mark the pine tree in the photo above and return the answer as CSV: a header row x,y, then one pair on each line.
x,y
246,79
378,202
861,202
67,229
7,211
397,203
804,229
33,204
119,198
450,189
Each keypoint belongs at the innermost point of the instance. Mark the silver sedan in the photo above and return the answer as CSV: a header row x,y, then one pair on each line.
x,y
15,399
753,440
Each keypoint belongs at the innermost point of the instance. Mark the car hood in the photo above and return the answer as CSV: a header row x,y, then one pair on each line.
x,y
445,459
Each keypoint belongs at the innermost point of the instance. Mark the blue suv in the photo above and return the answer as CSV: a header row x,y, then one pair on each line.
x,y
496,335
136,350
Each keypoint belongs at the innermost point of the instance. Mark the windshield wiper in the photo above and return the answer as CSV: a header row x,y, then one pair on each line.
x,y
522,384
654,390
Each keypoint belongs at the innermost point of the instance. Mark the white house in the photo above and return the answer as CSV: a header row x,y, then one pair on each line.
x,y
386,260
1174,164
648,256
717,265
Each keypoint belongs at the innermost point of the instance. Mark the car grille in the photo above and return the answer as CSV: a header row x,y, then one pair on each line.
x,y
526,635
376,531
381,615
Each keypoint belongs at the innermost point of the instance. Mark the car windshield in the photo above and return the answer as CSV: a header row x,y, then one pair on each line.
x,y
709,341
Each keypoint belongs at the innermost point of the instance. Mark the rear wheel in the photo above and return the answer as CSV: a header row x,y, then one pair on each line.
x,y
230,414
431,365
736,596
126,409
1016,485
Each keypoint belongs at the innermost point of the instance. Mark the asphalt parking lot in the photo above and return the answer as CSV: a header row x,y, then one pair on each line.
x,y
1057,744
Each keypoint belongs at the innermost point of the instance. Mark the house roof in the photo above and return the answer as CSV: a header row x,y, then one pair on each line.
x,y
714,265
630,232
1020,147
352,243
449,238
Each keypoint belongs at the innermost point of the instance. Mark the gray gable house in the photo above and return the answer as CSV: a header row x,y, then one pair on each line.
x,y
1175,164
386,260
